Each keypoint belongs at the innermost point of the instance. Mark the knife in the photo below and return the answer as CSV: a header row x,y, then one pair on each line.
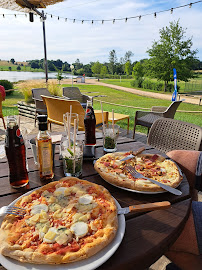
x,y
135,153
144,207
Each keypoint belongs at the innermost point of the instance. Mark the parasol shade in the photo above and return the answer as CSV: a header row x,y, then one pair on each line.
x,y
24,5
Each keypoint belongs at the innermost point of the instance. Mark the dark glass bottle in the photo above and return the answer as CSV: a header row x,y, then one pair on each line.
x,y
89,123
44,149
16,154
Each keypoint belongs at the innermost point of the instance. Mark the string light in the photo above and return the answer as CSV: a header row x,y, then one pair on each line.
x,y
113,20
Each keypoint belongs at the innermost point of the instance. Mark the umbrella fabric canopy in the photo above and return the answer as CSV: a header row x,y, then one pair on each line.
x,y
25,5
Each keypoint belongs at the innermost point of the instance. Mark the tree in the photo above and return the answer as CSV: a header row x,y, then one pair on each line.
x,y
103,70
112,61
127,56
171,51
128,67
96,68
138,70
12,61
18,68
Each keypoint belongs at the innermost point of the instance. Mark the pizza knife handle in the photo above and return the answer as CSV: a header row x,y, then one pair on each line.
x,y
149,206
140,150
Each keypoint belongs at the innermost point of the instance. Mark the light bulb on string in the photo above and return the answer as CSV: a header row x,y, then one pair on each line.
x,y
102,21
82,21
92,22
58,18
171,11
113,21
190,5
126,19
3,16
74,21
65,19
154,14
51,16
140,17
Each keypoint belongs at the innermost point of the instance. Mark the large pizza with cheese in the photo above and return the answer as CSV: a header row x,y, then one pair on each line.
x,y
65,221
113,170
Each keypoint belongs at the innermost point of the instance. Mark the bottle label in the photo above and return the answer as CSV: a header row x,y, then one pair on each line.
x,y
46,158
19,135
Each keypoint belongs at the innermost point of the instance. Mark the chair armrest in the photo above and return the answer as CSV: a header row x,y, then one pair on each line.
x,y
144,113
65,97
158,109
85,98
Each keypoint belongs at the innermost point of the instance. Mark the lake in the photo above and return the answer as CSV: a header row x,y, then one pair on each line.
x,y
15,76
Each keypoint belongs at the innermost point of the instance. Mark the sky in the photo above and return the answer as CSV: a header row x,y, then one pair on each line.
x,y
68,41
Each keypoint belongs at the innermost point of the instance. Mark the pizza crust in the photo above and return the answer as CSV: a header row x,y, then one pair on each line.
x,y
89,246
113,176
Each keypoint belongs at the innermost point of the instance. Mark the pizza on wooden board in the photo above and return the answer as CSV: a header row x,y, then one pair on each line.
x,y
152,166
65,221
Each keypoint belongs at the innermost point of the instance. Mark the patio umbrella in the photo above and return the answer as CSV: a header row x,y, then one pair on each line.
x,y
31,7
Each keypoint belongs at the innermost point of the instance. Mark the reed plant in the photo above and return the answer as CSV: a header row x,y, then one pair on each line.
x,y
26,89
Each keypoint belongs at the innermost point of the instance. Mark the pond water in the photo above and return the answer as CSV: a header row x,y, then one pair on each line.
x,y
15,76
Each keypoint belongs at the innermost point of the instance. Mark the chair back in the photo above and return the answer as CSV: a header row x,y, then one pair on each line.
x,y
37,92
1,99
72,92
56,107
1,112
171,110
168,134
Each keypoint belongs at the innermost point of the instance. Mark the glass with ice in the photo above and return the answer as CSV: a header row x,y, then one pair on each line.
x,y
110,135
72,158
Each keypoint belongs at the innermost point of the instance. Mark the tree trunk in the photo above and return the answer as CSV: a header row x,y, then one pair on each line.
x,y
165,85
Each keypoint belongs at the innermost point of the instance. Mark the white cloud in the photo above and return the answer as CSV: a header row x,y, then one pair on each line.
x,y
68,41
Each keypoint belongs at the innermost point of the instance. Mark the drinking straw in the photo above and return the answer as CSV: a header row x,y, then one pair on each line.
x,y
113,120
103,122
74,144
69,125
68,130
19,121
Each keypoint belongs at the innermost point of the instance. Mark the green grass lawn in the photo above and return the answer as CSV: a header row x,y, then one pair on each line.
x,y
124,98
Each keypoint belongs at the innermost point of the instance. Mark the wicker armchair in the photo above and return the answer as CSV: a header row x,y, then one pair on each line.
x,y
146,119
1,113
56,107
75,94
169,134
36,96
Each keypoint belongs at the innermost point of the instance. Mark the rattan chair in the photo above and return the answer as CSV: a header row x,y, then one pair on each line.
x,y
169,134
1,112
56,107
74,93
40,106
146,119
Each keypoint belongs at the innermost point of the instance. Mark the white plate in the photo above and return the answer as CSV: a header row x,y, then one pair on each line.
x,y
88,264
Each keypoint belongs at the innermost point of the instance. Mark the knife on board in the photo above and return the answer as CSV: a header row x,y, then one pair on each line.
x,y
144,207
135,153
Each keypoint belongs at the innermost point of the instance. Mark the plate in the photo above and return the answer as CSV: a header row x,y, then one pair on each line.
x,y
87,264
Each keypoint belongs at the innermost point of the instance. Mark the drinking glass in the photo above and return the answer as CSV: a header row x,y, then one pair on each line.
x,y
110,135
68,120
72,158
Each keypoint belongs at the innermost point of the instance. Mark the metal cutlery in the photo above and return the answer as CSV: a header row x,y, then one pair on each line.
x,y
12,210
144,207
136,174
135,153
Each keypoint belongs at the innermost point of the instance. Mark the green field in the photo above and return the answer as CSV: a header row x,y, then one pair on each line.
x,y
119,98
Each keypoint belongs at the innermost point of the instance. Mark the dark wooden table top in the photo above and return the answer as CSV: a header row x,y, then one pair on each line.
x,y
147,235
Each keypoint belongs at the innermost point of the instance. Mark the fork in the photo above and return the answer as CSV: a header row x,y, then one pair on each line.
x,y
12,210
136,174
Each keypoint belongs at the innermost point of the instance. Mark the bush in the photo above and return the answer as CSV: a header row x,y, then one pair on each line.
x,y
26,89
137,83
7,85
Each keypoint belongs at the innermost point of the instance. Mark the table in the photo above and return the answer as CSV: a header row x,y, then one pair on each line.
x,y
147,236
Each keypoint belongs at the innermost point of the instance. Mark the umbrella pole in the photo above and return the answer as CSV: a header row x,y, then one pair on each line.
x,y
45,54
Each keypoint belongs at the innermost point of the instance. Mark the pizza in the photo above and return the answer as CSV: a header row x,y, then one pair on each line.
x,y
65,221
152,166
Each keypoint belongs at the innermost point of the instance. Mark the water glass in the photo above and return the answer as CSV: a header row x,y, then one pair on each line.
x,y
110,135
68,120
72,158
